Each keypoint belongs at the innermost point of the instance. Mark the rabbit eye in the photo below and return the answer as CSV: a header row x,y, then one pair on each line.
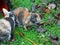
x,y
11,15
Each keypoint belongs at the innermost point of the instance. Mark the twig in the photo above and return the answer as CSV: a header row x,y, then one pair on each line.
x,y
22,35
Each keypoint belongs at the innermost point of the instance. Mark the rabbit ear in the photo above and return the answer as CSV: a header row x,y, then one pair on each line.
x,y
6,12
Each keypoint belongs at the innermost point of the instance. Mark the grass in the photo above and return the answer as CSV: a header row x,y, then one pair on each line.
x,y
38,38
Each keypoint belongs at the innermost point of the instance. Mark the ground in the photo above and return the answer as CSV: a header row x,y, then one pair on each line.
x,y
32,34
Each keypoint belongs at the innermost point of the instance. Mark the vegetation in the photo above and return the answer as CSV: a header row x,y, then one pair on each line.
x,y
33,34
